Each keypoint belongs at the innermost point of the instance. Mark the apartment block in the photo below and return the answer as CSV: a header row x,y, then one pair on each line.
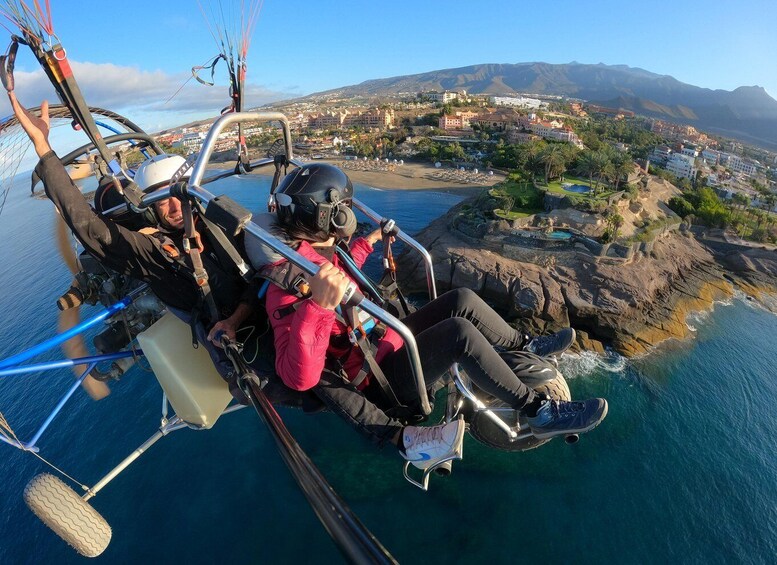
x,y
681,166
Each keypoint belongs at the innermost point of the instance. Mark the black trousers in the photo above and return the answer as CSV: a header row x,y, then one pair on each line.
x,y
458,327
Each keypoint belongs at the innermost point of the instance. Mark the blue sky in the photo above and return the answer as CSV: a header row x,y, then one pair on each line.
x,y
131,56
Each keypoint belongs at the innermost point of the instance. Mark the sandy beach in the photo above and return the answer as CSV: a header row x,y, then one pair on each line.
x,y
407,176
415,176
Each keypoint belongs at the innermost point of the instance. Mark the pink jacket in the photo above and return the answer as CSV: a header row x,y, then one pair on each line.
x,y
303,338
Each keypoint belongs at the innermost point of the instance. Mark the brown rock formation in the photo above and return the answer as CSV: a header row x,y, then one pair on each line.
x,y
628,304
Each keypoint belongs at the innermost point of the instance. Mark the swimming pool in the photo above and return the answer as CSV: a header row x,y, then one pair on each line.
x,y
559,234
578,188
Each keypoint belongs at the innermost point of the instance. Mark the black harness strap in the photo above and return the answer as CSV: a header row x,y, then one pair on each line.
x,y
170,250
386,293
223,247
200,274
370,365
212,66
281,167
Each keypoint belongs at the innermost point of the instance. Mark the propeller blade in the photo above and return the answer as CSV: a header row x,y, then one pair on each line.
x,y
75,347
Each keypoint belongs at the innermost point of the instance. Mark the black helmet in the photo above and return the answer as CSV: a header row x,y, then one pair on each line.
x,y
317,196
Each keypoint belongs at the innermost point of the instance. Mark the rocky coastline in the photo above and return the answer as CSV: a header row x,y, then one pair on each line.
x,y
629,305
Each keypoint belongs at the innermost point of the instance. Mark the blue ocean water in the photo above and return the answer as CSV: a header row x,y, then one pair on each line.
x,y
682,470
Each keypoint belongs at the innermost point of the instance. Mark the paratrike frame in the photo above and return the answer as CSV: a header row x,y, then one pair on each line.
x,y
352,538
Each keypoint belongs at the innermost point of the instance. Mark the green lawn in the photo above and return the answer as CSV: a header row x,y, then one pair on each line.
x,y
514,215
517,189
527,199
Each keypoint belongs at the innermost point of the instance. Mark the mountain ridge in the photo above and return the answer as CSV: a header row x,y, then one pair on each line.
x,y
747,112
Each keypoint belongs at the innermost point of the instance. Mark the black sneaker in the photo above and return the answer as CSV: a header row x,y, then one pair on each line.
x,y
559,417
553,344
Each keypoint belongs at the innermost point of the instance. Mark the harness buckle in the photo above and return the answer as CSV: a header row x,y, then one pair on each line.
x,y
197,240
300,284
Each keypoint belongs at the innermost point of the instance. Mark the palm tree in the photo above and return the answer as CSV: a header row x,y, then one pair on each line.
x,y
570,153
552,156
607,172
741,200
602,167
771,200
623,167
529,154
586,165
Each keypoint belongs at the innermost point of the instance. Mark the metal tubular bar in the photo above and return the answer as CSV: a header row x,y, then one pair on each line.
x,y
465,391
226,120
352,537
60,405
118,138
66,335
174,424
127,461
164,408
64,363
357,273
117,132
402,236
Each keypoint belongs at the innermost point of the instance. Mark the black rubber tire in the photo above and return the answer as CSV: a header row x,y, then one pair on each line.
x,y
483,429
67,514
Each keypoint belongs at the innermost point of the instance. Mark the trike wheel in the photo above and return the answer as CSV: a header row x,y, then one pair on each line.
x,y
70,516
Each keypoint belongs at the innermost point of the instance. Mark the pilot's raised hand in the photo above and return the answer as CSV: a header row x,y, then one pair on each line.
x,y
37,128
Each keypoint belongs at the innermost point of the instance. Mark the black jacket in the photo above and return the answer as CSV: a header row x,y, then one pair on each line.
x,y
138,255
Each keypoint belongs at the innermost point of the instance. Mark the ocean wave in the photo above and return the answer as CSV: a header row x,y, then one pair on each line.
x,y
695,319
766,302
574,365
741,296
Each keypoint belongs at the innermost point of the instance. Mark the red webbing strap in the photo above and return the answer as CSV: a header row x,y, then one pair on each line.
x,y
57,67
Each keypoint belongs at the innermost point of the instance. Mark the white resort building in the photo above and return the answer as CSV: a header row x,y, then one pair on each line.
x,y
681,166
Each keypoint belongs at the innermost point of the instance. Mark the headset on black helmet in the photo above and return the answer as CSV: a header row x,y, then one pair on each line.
x,y
319,196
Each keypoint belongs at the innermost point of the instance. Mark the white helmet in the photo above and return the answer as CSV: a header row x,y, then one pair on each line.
x,y
157,171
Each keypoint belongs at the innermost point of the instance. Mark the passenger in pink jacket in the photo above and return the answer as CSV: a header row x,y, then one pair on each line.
x,y
315,351
300,352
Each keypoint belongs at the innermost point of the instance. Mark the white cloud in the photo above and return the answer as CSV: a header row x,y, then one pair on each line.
x,y
141,95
